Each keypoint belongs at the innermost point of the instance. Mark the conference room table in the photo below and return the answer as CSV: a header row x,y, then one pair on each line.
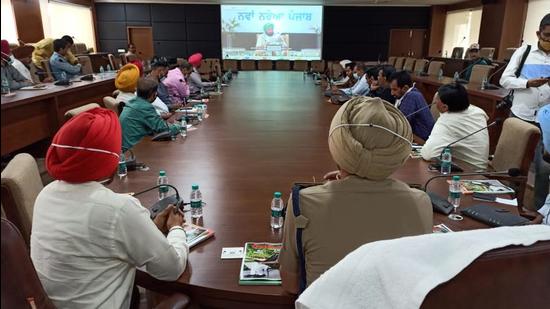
x,y
30,116
485,99
268,130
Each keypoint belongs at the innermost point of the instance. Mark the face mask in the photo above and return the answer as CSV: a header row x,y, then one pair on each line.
x,y
545,45
355,75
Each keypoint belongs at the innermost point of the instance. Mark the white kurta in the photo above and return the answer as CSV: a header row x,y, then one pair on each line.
x,y
451,126
87,241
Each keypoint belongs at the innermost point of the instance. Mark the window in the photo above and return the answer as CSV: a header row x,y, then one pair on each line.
x,y
535,12
9,29
461,30
59,19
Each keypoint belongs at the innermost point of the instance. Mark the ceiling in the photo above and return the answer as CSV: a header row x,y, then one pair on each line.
x,y
298,2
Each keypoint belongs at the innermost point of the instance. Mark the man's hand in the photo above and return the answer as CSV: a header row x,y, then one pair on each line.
x,y
161,219
537,82
166,116
48,80
175,218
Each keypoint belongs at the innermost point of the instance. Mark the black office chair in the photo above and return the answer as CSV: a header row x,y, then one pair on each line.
x,y
458,53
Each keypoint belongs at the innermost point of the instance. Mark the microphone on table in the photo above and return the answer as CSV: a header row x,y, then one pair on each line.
x,y
488,85
461,80
162,204
419,110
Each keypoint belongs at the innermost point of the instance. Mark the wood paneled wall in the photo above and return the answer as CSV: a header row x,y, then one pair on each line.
x,y
28,20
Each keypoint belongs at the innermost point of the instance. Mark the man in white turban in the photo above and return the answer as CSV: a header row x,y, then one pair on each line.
x,y
369,139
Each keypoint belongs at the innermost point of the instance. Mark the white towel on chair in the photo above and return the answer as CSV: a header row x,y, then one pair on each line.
x,y
399,273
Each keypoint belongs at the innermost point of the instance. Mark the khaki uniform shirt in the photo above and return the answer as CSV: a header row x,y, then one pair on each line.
x,y
342,215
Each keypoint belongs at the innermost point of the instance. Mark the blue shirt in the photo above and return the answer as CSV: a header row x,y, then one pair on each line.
x,y
59,64
361,87
544,121
422,122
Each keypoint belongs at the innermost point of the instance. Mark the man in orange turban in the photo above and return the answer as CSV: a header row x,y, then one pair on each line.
x,y
87,240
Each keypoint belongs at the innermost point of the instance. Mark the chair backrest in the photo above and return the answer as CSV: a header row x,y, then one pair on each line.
x,y
116,63
409,64
420,65
300,65
21,184
75,111
21,287
391,61
86,64
318,66
112,104
480,72
81,48
506,271
457,53
508,53
282,65
230,65
47,68
123,58
487,52
399,62
336,69
516,146
265,65
248,65
434,67
21,52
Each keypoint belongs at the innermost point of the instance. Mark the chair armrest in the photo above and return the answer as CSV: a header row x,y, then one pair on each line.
x,y
175,301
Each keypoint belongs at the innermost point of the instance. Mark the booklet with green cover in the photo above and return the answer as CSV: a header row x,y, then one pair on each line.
x,y
260,265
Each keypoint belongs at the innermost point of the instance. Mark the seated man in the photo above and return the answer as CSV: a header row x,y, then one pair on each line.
x,y
139,118
473,54
59,64
544,120
270,43
9,73
14,61
382,89
87,241
458,119
363,204
346,82
176,83
196,85
412,104
162,104
360,88
126,83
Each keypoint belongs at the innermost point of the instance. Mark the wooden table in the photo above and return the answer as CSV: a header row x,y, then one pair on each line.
x,y
34,115
267,131
484,99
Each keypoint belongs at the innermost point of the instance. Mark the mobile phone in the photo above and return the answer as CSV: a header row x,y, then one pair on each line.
x,y
484,197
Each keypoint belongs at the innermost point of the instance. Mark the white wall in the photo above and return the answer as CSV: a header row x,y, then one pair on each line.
x,y
535,12
461,29
9,29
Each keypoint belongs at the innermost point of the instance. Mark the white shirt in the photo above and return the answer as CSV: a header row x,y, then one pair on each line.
x,y
451,126
125,96
160,107
527,101
545,211
21,68
361,87
87,242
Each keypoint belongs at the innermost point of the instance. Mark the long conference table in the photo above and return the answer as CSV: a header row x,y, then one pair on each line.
x,y
30,116
268,130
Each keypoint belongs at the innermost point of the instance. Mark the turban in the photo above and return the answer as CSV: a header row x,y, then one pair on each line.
x,y
195,59
5,49
86,148
345,62
268,26
369,152
127,78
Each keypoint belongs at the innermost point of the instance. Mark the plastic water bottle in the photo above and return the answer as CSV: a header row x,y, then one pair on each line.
x,y
446,160
199,112
109,68
277,206
218,84
162,180
304,75
202,92
122,169
101,71
440,74
196,202
446,54
183,130
5,86
483,83
454,192
456,76
63,76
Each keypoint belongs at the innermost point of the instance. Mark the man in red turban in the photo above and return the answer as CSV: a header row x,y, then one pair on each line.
x,y
86,240
10,73
196,85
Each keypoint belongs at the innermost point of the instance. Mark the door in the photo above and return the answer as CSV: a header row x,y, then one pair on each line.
x,y
399,42
142,38
419,39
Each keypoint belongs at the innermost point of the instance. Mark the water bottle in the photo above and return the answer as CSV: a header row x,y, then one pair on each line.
x,y
454,192
304,75
196,202
446,160
277,206
218,85
199,112
202,92
440,74
163,190
109,68
446,54
456,76
101,71
122,169
5,86
183,130
483,83
63,76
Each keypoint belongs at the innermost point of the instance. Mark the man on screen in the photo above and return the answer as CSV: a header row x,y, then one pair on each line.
x,y
270,43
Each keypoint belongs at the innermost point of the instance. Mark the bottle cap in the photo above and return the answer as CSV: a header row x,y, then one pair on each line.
x,y
447,150
277,194
162,173
456,178
195,187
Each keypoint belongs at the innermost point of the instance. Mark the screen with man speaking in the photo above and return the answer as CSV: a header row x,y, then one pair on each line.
x,y
272,32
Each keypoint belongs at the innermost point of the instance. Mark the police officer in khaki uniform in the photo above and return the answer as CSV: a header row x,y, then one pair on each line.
x,y
362,204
